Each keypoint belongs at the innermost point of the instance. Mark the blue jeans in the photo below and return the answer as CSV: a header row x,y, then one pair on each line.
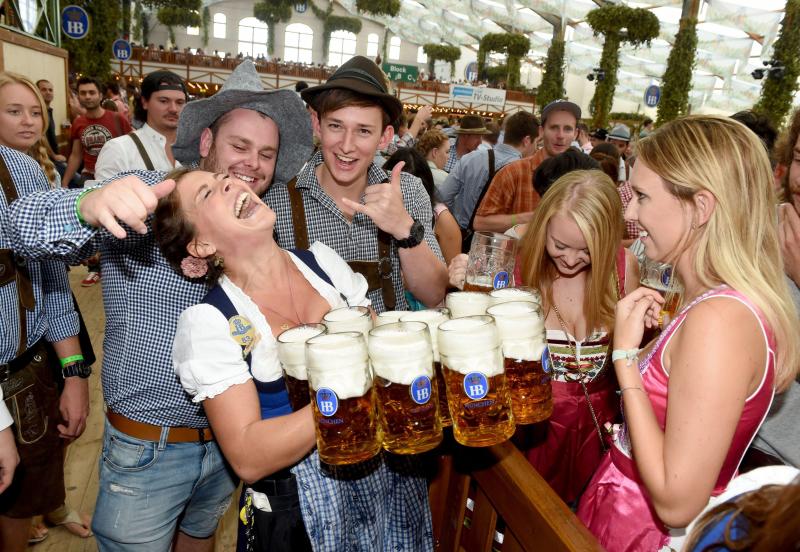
x,y
148,488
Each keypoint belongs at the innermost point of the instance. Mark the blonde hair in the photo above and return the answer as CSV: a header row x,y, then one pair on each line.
x,y
433,138
39,150
592,201
738,246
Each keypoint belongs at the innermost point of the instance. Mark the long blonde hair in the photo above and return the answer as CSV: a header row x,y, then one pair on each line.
x,y
592,201
738,246
38,150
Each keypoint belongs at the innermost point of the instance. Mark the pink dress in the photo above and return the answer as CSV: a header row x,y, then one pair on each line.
x,y
615,506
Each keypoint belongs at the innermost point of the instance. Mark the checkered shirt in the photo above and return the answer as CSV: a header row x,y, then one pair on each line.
x,y
375,506
452,157
356,240
626,195
143,299
54,315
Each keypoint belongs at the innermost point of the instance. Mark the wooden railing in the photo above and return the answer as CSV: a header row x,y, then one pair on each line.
x,y
504,487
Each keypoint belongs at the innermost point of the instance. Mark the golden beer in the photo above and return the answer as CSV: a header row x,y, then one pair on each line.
x,y
432,318
526,359
466,303
478,283
343,398
660,277
408,407
477,391
292,354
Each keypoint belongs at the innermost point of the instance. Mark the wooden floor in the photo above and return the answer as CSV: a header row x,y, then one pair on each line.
x,y
83,455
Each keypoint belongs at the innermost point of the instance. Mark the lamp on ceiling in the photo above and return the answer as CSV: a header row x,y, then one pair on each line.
x,y
597,74
772,69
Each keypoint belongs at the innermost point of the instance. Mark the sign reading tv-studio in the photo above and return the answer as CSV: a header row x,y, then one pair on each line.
x,y
476,95
397,72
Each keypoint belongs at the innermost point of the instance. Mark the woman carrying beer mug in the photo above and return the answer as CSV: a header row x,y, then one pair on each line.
x,y
225,354
694,398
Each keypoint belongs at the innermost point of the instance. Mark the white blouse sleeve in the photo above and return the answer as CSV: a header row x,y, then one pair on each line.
x,y
205,357
350,284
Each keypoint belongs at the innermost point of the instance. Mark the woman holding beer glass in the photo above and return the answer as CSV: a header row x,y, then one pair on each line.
x,y
695,397
214,228
572,254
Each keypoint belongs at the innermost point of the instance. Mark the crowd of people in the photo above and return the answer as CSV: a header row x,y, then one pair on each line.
x,y
278,206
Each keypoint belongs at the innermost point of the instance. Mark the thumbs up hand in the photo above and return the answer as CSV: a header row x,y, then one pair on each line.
x,y
383,203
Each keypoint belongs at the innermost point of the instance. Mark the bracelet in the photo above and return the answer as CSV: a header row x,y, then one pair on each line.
x,y
78,206
513,220
630,387
629,355
70,359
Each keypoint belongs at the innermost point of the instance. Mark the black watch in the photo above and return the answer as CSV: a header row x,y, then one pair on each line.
x,y
415,236
78,368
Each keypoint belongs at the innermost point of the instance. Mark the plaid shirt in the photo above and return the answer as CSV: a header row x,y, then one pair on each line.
x,y
626,195
54,315
351,240
143,299
511,191
452,157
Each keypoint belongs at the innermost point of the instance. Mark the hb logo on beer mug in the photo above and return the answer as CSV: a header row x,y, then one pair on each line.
x,y
327,402
421,390
476,386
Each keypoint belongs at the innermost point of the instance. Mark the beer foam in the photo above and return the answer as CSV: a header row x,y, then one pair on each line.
x,y
431,317
389,317
471,344
521,328
466,303
346,319
506,295
339,362
292,350
401,352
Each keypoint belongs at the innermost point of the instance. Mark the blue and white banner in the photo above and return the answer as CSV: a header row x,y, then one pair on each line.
x,y
476,95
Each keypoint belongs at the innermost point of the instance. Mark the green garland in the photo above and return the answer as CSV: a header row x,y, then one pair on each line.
x,y
137,26
332,23
105,18
776,94
514,45
552,87
641,26
206,26
444,52
677,80
272,12
379,7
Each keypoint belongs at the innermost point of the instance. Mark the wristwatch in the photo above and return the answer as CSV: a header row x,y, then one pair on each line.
x,y
77,368
415,236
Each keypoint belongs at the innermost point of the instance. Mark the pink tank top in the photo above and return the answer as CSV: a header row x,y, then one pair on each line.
x,y
656,381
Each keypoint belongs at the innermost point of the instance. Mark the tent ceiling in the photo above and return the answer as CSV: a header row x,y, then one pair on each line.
x,y
733,38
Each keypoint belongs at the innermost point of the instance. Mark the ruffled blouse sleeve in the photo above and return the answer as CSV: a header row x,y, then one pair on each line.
x,y
205,357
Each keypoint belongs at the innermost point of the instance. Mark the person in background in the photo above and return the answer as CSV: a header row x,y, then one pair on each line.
x,y
490,140
620,136
647,128
406,136
598,136
468,137
608,154
434,146
113,93
583,142
765,130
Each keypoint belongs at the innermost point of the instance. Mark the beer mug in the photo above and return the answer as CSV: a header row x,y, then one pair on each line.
x,y
292,354
660,277
491,262
432,318
466,303
521,293
526,359
342,398
408,405
349,319
389,317
477,393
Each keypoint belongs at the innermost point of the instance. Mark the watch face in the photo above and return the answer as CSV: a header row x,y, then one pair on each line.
x,y
417,231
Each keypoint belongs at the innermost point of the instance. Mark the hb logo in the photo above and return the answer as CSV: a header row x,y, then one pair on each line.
x,y
476,386
421,390
327,402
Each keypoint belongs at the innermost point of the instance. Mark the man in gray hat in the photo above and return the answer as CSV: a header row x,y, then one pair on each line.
x,y
620,136
161,469
469,134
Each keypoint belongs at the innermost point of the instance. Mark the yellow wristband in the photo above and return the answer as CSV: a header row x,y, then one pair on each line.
x,y
513,220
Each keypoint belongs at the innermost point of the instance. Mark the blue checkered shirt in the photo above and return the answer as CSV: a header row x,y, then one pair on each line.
x,y
375,506
143,299
351,240
452,157
54,315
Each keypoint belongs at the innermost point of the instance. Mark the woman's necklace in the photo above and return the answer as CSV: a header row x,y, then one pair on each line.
x,y
296,320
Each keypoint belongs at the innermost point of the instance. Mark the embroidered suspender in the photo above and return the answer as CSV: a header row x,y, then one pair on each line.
x,y
378,273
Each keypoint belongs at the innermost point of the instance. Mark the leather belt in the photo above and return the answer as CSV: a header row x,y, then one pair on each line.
x,y
148,432
17,364
280,483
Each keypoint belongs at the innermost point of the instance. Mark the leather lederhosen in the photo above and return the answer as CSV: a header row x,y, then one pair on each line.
x,y
378,273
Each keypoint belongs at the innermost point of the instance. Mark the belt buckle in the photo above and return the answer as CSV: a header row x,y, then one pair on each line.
x,y
201,435
385,267
5,372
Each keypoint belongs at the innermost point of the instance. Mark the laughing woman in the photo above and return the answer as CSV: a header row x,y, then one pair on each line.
x,y
694,398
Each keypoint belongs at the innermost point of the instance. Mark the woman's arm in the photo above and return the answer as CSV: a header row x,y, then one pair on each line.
x,y
713,360
256,448
448,234
631,272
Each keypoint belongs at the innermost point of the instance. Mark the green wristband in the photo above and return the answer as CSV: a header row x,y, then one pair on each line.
x,y
70,359
78,206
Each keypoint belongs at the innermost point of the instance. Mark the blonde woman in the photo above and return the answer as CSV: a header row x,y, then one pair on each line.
x,y
694,398
434,146
571,252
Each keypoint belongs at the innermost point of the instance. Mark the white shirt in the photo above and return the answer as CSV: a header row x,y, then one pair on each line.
x,y
121,154
208,361
5,415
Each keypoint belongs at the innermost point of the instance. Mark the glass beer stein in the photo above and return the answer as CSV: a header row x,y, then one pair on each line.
x,y
521,293
389,317
349,319
466,303
343,398
292,354
491,262
660,277
477,392
408,405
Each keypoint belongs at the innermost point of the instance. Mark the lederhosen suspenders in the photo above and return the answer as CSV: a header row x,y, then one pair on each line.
x,y
15,269
143,152
378,273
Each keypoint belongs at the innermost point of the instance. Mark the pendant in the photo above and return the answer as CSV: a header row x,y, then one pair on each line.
x,y
284,327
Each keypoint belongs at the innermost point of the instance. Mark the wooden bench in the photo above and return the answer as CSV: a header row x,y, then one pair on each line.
x,y
503,487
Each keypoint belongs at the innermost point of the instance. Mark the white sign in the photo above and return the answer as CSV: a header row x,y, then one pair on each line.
x,y
475,95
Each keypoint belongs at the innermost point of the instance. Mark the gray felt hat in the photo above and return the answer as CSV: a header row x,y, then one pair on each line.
x,y
244,90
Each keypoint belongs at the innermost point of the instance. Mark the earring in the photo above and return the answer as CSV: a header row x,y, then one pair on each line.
x,y
219,262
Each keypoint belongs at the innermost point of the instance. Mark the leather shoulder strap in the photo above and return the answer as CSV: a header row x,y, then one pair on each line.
x,y
143,152
9,189
485,189
310,260
298,215
384,258
241,329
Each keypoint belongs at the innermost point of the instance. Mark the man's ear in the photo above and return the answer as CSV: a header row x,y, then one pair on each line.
x,y
206,141
315,122
200,249
779,173
386,137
